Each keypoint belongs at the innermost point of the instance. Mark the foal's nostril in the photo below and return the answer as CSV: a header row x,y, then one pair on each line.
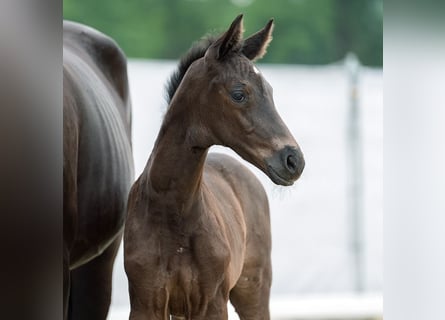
x,y
291,163
285,166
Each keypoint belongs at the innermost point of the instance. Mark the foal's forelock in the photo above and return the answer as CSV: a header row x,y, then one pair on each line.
x,y
231,55
241,66
235,64
238,67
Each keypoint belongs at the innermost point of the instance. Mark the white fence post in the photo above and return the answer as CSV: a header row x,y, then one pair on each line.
x,y
355,172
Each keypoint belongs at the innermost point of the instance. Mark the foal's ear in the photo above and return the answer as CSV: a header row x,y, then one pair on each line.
x,y
255,46
230,40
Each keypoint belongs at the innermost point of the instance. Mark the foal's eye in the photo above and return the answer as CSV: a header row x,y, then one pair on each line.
x,y
238,96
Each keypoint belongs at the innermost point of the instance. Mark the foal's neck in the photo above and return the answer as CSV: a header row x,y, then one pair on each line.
x,y
176,165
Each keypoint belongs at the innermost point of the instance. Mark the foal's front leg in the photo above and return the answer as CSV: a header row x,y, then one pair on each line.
x,y
147,304
136,314
250,296
217,310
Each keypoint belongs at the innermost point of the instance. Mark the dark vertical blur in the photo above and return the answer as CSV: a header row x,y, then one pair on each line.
x,y
30,159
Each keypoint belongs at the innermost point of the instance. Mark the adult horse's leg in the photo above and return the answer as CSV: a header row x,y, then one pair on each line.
x,y
90,293
250,296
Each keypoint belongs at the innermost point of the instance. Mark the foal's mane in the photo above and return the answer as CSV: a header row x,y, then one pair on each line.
x,y
196,52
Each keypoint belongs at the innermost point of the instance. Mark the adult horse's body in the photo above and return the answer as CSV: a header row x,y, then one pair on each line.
x,y
198,230
97,167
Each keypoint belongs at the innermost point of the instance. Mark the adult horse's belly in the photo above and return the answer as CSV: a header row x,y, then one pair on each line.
x,y
105,165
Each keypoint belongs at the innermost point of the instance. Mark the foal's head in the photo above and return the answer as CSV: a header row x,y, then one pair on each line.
x,y
230,103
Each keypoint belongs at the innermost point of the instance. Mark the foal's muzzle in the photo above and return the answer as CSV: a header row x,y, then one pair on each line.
x,y
285,166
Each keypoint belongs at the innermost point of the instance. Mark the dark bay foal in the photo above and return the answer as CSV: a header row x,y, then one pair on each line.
x,y
198,231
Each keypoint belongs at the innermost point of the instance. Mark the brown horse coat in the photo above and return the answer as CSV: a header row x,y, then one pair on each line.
x,y
198,229
97,166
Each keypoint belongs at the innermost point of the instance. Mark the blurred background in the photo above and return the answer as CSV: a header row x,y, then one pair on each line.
x,y
307,32
325,65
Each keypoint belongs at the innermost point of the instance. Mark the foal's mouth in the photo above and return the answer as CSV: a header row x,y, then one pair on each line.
x,y
277,179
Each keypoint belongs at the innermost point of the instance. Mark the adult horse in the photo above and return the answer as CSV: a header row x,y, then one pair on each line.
x,y
198,232
97,167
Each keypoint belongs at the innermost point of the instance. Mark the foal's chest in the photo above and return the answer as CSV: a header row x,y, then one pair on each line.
x,y
193,274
